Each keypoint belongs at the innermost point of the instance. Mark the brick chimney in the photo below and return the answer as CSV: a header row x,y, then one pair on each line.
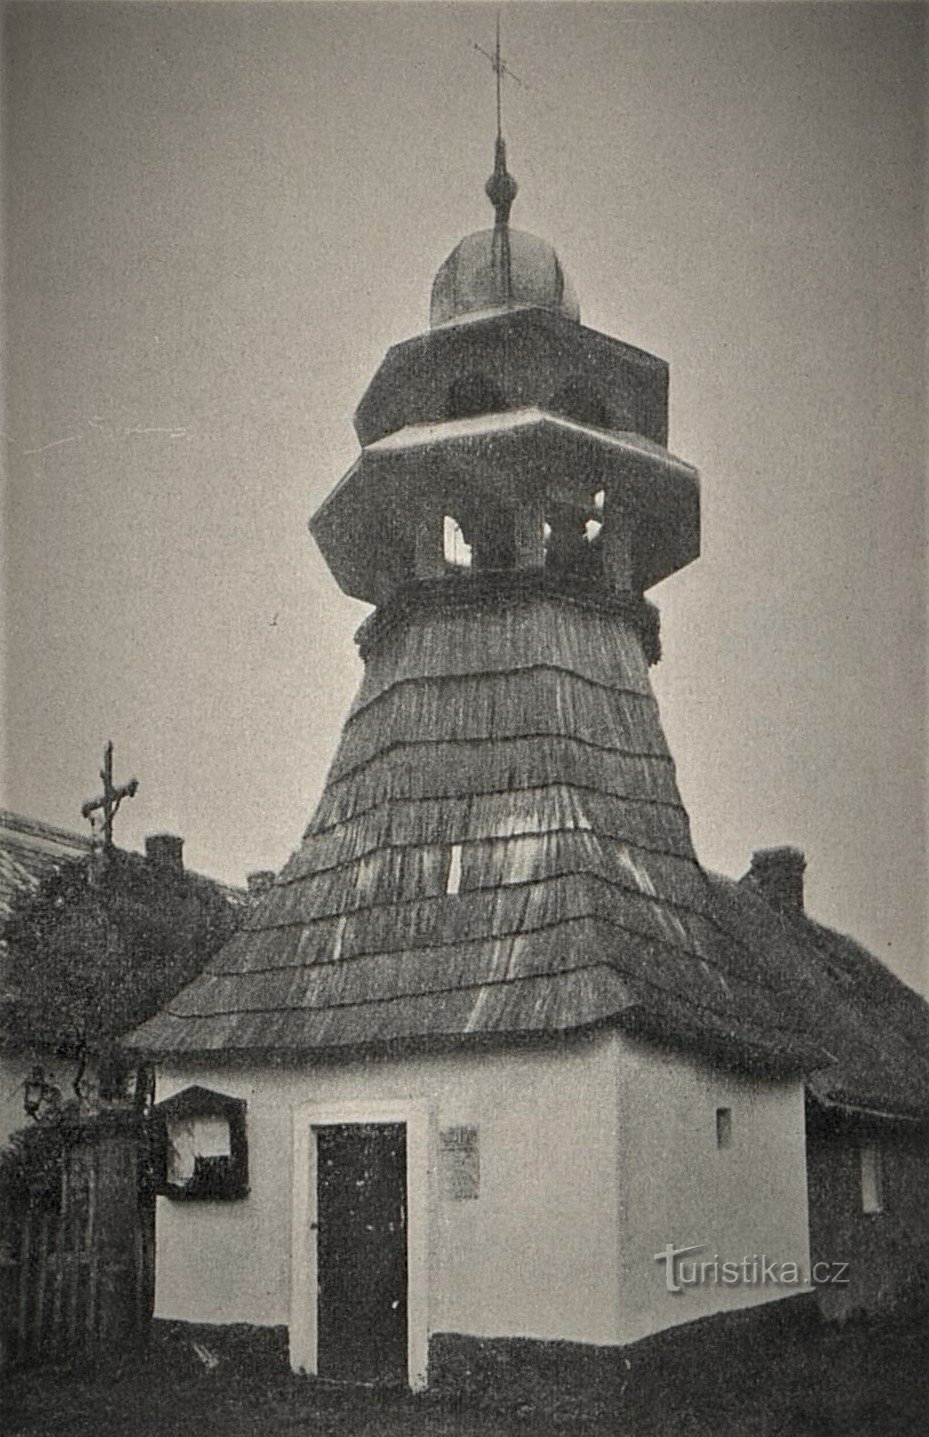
x,y
777,874
259,882
165,851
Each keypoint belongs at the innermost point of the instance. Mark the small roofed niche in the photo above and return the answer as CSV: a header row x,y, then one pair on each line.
x,y
200,1146
473,394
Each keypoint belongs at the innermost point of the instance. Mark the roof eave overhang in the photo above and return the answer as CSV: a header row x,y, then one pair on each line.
x,y
552,326
518,456
865,1110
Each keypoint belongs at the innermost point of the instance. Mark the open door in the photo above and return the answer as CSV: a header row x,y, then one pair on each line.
x,y
362,1252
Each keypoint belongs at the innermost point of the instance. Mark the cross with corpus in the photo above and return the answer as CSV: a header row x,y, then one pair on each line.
x,y
110,799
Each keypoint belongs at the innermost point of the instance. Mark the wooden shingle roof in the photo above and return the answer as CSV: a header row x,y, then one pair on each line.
x,y
511,731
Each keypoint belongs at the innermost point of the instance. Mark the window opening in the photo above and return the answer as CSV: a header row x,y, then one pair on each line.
x,y
872,1178
453,877
456,547
724,1127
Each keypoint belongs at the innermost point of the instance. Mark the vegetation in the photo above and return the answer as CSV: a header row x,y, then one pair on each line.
x,y
866,1379
99,948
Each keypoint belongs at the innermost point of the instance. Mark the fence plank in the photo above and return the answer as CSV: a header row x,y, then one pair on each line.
x,y
41,1274
74,1279
91,1248
83,1280
25,1281
55,1342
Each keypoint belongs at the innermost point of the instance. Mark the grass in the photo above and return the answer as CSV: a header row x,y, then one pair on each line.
x,y
861,1381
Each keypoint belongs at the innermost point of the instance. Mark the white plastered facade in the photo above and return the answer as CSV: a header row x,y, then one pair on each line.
x,y
594,1154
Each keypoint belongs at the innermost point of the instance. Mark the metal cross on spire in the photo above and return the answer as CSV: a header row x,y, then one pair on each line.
x,y
500,68
501,188
110,799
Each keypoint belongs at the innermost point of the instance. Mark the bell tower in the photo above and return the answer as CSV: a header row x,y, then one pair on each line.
x,y
500,851
511,440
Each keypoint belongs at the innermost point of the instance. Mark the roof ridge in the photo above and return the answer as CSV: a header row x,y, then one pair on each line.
x,y
39,828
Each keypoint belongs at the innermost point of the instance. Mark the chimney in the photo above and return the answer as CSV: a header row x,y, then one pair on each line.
x,y
165,851
777,874
259,882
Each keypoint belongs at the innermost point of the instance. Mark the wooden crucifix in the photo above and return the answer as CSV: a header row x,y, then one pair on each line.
x,y
110,799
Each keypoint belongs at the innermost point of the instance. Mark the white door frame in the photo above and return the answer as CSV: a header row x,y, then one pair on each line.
x,y
304,1272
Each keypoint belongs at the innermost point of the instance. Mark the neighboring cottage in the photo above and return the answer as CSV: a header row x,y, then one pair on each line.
x,y
87,947
494,1041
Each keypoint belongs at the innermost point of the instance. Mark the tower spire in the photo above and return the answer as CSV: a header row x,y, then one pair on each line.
x,y
501,188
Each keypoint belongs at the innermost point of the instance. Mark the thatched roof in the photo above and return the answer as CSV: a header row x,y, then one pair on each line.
x,y
100,955
514,733
30,850
874,1028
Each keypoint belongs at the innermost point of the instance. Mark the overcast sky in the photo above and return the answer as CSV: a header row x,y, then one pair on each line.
x,y
217,219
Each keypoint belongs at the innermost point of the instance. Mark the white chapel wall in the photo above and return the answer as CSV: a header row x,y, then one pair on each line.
x,y
678,1186
594,1156
534,1255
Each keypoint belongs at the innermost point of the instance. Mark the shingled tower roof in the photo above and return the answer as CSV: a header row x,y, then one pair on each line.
x,y
501,850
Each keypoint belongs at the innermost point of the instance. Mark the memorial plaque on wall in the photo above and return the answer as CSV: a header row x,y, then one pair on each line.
x,y
459,1163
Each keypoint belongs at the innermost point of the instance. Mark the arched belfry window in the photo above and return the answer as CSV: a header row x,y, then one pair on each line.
x,y
573,543
456,549
473,394
581,402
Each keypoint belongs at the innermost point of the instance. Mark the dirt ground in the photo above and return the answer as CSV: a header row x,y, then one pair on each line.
x,y
858,1383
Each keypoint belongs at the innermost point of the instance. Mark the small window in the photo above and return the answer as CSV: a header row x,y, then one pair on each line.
x,y
200,1145
724,1127
457,548
453,877
872,1178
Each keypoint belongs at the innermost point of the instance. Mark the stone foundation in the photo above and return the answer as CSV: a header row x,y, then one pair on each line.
x,y
238,1346
695,1363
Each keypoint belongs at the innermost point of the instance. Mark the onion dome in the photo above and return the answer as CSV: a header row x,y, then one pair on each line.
x,y
473,278
500,268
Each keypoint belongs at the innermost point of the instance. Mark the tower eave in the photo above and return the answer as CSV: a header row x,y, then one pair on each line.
x,y
517,458
526,352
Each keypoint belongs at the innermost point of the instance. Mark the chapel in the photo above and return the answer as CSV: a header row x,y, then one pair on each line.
x,y
494,1040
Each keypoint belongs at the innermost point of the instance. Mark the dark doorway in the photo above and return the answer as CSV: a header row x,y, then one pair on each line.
x,y
362,1260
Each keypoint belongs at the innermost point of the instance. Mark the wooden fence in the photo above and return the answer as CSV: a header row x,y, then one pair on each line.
x,y
77,1263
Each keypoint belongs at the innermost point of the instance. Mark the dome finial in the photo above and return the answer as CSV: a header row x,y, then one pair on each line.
x,y
501,188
